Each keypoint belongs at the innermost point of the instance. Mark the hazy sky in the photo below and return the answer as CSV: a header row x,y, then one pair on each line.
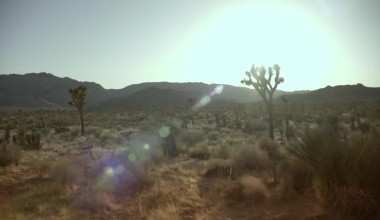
x,y
117,43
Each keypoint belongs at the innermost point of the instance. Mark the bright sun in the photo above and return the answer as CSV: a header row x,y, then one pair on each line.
x,y
231,39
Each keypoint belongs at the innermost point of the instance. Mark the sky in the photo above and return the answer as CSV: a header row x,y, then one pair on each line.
x,y
121,42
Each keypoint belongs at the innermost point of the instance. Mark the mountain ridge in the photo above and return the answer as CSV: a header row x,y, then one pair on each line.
x,y
45,90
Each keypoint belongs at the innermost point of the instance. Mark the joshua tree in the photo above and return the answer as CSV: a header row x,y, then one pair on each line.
x,y
257,79
77,99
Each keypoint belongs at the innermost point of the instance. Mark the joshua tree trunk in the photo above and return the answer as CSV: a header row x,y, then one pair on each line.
x,y
77,99
81,121
287,131
270,118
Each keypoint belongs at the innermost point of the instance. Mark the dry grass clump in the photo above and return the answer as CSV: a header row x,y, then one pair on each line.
x,y
294,178
223,151
96,185
346,171
169,211
274,152
109,137
249,188
250,157
93,130
200,151
95,200
216,167
253,126
9,154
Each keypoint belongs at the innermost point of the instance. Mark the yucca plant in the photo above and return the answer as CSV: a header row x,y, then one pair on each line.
x,y
346,170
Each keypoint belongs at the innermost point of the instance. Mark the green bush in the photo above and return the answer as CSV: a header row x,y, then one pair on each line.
x,y
346,170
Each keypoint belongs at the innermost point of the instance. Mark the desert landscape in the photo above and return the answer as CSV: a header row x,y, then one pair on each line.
x,y
197,160
189,110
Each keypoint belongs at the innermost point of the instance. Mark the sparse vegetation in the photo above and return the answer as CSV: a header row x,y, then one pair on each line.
x,y
162,169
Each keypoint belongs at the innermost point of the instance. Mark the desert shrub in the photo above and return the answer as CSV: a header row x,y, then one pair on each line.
x,y
223,151
213,136
68,173
364,126
345,170
127,135
191,137
74,131
199,152
249,188
295,178
146,147
253,126
216,167
146,127
9,154
250,157
33,141
109,137
124,173
253,187
61,129
169,211
95,200
156,155
331,120
274,152
21,130
59,123
43,169
93,130
169,143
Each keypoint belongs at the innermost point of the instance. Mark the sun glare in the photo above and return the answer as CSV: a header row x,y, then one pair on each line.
x,y
229,40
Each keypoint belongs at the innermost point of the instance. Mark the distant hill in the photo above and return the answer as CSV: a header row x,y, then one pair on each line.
x,y
151,97
44,90
341,93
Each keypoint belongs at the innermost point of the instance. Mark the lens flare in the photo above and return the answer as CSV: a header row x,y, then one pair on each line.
x,y
219,89
119,169
207,98
109,171
164,132
132,157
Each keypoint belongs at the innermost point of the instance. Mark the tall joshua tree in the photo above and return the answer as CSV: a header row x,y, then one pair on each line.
x,y
257,77
77,99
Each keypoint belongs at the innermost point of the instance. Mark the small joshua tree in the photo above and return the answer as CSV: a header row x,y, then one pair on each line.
x,y
263,85
77,99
